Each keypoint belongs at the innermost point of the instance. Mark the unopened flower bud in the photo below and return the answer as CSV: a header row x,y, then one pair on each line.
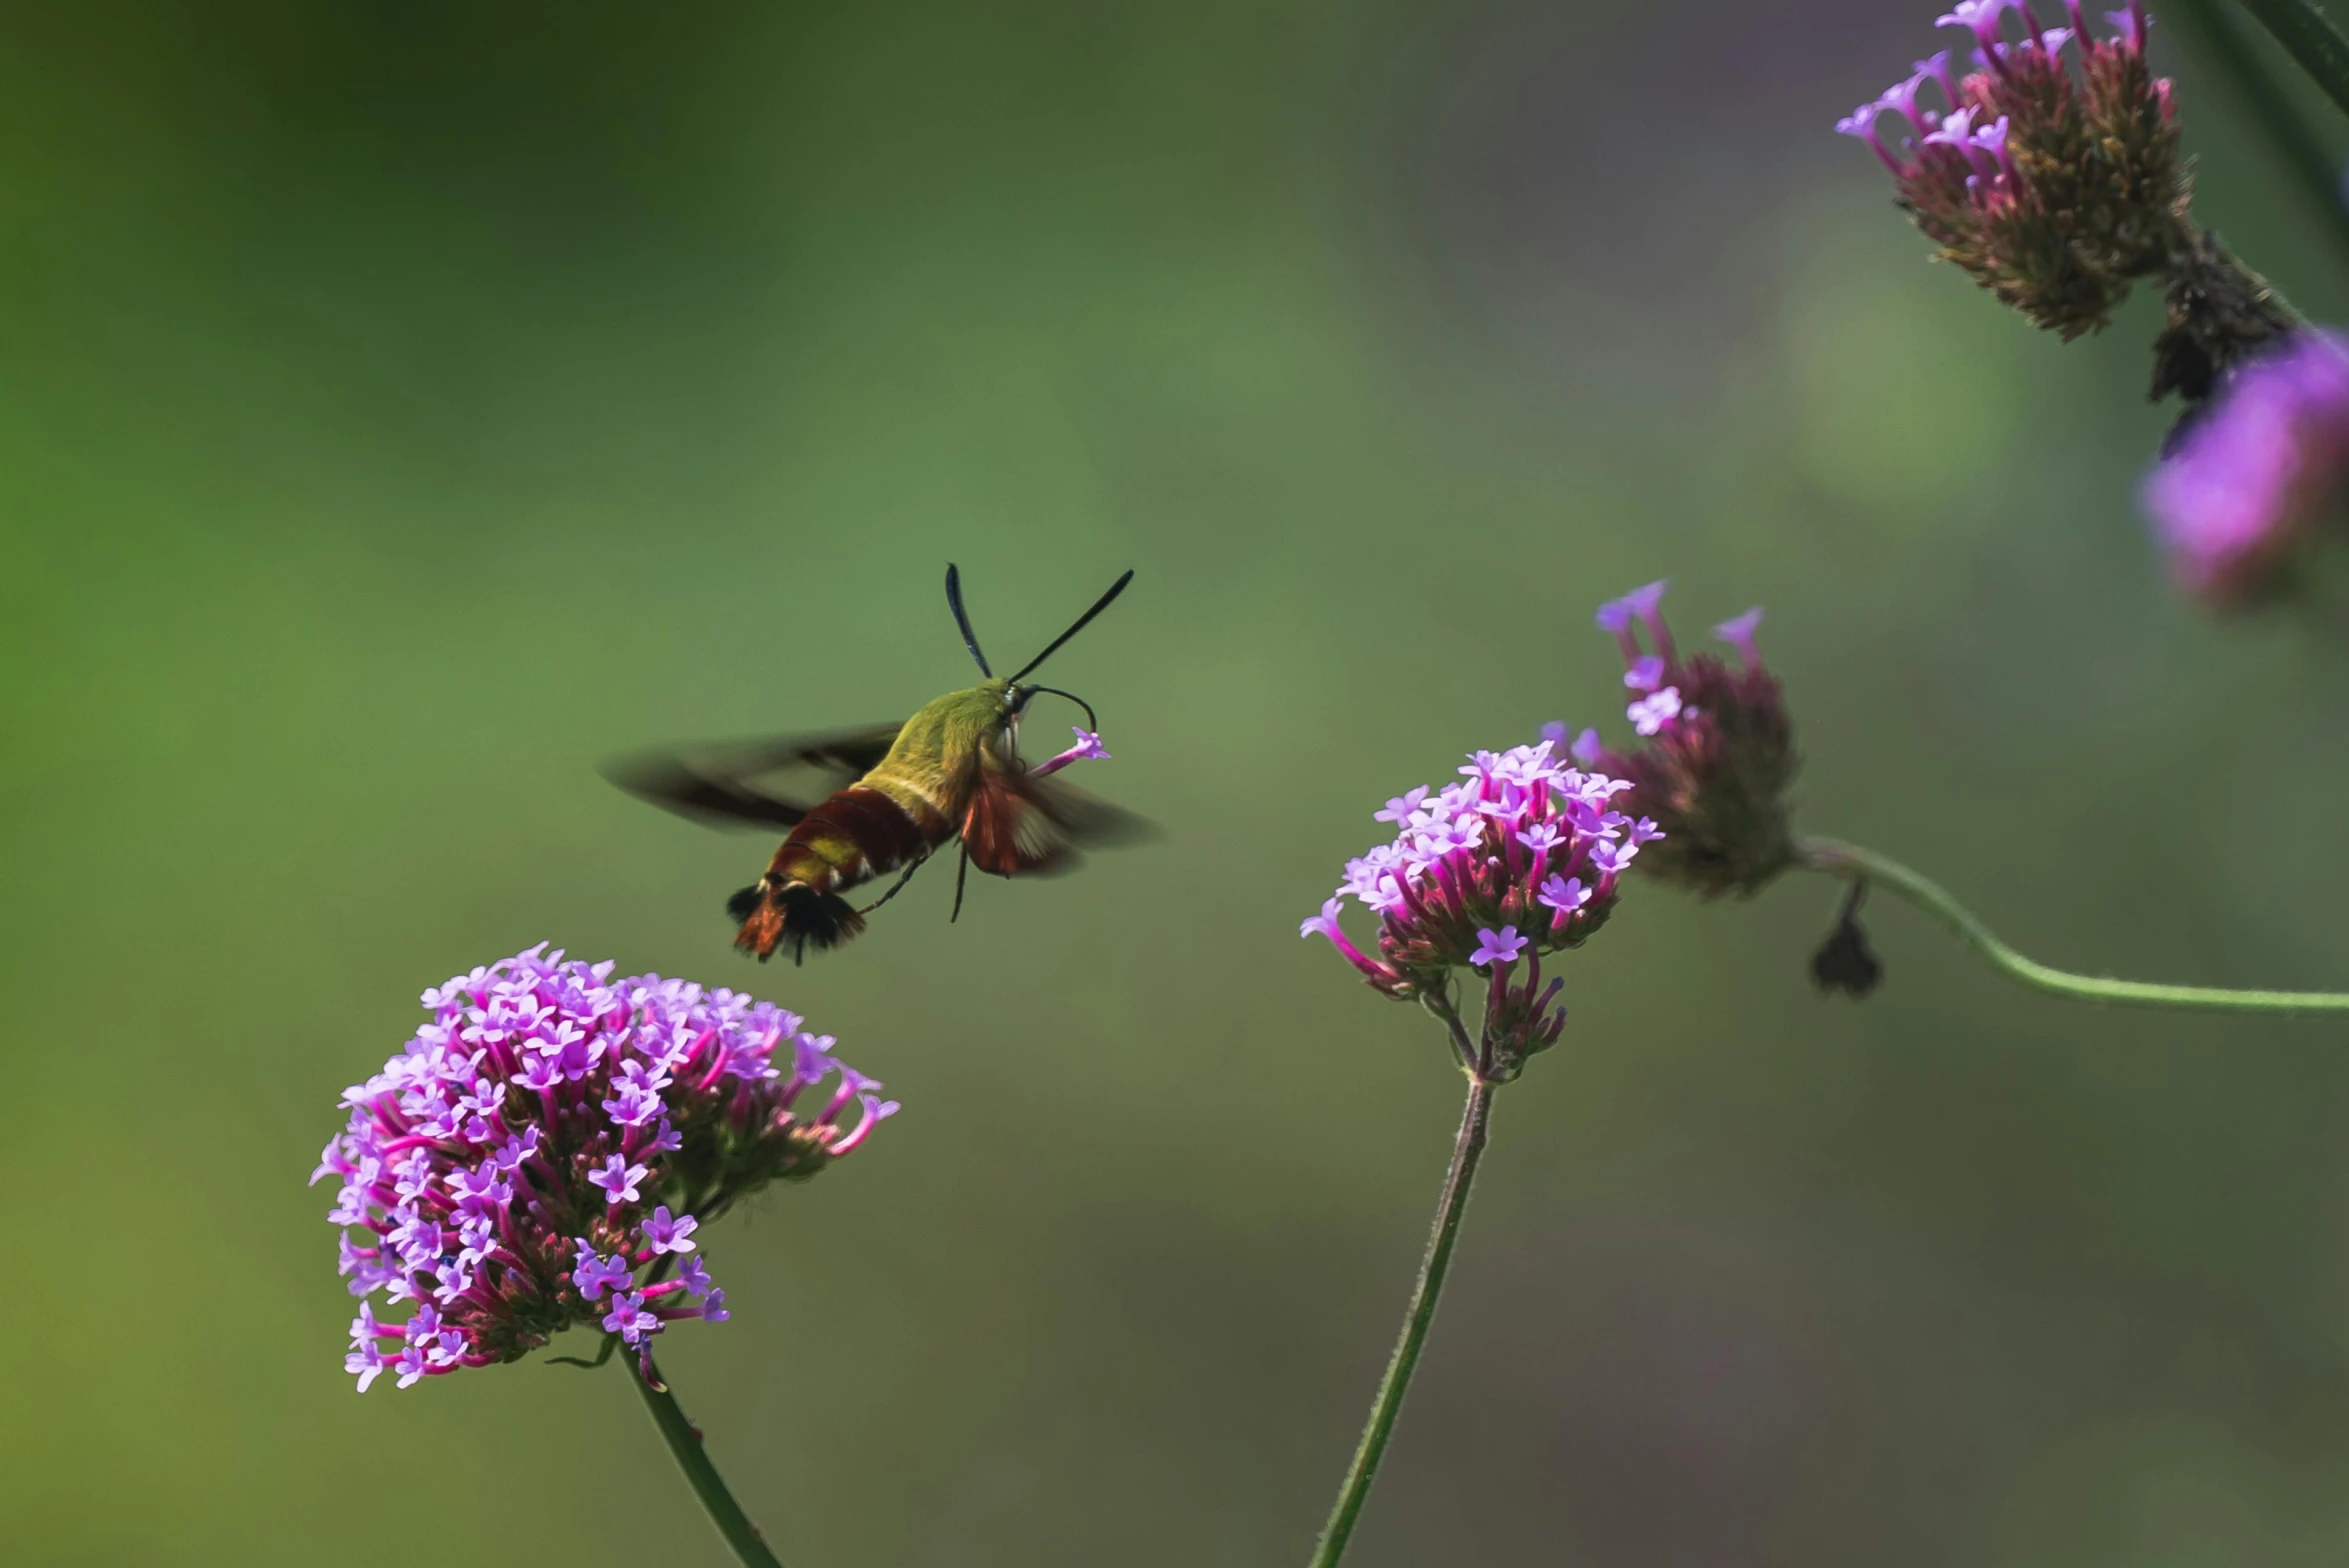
x,y
1845,963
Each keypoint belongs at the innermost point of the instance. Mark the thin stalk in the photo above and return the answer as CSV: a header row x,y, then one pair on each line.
x,y
1440,1004
2314,44
1854,863
2267,102
684,1440
1467,1149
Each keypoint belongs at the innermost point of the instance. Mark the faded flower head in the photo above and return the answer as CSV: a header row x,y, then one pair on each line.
x,y
1518,858
542,1153
2053,186
2255,476
1716,752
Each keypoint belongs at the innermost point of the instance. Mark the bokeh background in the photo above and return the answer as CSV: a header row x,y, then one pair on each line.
x,y
408,405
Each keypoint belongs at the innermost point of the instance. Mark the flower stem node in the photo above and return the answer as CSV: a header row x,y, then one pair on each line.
x,y
2218,314
543,1153
1709,776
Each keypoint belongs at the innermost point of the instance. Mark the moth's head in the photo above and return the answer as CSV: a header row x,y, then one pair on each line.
x,y
1020,696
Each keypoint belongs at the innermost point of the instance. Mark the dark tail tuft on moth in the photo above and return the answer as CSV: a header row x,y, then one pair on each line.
x,y
793,913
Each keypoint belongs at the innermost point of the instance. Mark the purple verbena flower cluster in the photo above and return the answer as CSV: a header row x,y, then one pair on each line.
x,y
2258,473
2054,191
1520,857
544,1150
1716,753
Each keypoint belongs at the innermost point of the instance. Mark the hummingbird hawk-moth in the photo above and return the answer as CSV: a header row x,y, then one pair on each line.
x,y
891,796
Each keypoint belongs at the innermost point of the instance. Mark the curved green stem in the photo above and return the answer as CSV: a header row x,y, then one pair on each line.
x,y
1467,1149
684,1440
1440,1004
1854,863
2314,43
2266,102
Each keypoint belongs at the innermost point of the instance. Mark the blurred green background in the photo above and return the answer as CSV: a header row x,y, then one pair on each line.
x,y
410,404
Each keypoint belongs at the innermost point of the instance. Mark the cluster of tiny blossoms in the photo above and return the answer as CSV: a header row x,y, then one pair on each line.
x,y
2258,473
2051,191
1521,856
542,1152
1716,750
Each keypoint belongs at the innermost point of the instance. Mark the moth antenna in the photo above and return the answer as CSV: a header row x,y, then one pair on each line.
x,y
1082,622
970,639
1090,720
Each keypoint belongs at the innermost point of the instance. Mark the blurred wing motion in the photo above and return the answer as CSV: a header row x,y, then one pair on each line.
x,y
1022,826
769,783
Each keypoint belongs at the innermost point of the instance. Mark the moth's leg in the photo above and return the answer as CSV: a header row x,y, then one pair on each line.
x,y
897,886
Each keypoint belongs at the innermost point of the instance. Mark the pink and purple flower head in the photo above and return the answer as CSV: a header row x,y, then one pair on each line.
x,y
1517,859
542,1153
2053,185
1715,751
2258,473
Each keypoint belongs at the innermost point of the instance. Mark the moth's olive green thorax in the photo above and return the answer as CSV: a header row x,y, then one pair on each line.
x,y
939,750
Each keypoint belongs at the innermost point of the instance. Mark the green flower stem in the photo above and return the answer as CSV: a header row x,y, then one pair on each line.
x,y
2314,44
2268,103
1467,1149
684,1440
1853,863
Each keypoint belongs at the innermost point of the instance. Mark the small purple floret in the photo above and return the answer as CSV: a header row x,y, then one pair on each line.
x,y
1496,947
665,1234
1981,17
618,1179
629,1319
1565,895
1087,749
1652,713
1739,631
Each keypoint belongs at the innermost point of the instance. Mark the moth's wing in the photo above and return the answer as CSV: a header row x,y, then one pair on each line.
x,y
1089,821
1021,826
766,783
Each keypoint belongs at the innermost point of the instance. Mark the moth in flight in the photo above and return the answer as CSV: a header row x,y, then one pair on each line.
x,y
888,797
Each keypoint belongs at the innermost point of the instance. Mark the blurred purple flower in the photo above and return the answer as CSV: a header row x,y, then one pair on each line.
x,y
496,1172
2254,476
1650,714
